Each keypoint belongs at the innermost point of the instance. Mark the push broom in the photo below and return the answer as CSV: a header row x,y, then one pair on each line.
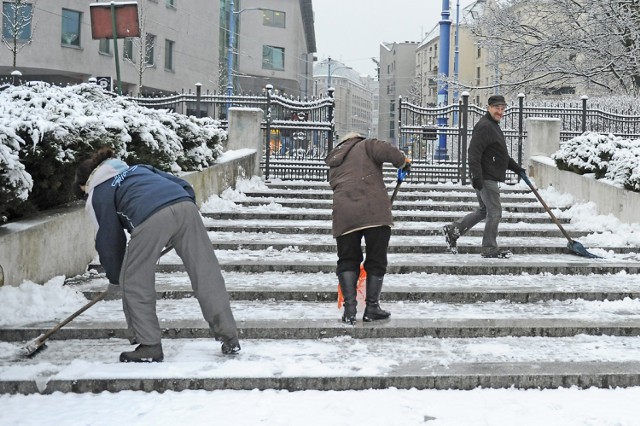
x,y
38,344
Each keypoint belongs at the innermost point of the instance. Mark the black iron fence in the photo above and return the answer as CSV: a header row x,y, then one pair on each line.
x,y
298,133
436,138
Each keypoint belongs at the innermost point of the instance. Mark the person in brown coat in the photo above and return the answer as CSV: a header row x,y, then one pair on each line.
x,y
361,208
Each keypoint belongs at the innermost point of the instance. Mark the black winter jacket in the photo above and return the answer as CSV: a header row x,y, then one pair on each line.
x,y
488,155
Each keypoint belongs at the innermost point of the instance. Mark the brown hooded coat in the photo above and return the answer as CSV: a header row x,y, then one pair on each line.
x,y
360,198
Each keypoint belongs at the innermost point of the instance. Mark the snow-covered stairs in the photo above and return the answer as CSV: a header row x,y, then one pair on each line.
x,y
544,318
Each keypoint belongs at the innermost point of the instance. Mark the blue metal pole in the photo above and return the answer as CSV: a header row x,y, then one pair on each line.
x,y
456,59
443,71
232,30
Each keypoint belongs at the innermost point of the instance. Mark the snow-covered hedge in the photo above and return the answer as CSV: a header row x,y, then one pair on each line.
x,y
607,156
45,131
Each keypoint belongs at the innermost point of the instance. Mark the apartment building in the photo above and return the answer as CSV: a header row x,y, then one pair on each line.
x,y
397,74
471,66
58,47
353,96
183,42
274,44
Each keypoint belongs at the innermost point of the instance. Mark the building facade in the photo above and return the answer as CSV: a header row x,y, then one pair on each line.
x,y
397,75
58,47
353,96
274,42
183,42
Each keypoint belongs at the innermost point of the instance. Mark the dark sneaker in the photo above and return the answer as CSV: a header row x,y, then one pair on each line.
x,y
231,347
451,235
500,254
143,353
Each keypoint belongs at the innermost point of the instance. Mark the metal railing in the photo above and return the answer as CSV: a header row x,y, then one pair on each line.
x,y
436,138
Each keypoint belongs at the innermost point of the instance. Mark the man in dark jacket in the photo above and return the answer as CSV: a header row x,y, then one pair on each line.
x,y
158,210
361,208
488,163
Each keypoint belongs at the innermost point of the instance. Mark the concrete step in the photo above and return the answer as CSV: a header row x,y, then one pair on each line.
x,y
401,216
417,229
406,186
397,205
322,287
91,366
435,244
406,196
295,261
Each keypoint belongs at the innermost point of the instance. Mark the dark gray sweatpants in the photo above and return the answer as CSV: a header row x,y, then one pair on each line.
x,y
180,226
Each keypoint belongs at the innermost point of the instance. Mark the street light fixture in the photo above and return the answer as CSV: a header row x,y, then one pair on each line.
x,y
232,31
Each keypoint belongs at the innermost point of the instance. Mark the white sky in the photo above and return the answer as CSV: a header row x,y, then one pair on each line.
x,y
351,31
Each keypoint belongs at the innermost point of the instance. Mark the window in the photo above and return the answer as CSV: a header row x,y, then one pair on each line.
x,y
170,3
128,50
70,28
105,46
273,58
168,54
150,46
16,21
273,18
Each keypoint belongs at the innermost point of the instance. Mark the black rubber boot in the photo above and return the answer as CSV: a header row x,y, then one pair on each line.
x,y
348,284
372,311
144,353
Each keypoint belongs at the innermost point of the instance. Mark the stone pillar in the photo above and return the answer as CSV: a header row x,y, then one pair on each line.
x,y
245,132
543,137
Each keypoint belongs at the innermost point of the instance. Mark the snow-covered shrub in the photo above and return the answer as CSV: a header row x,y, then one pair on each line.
x,y
51,129
15,182
608,156
588,153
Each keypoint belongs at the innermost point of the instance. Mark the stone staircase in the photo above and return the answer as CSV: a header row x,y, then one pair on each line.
x,y
544,318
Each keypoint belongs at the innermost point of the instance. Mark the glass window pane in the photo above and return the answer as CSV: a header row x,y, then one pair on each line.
x,y
273,18
273,58
150,49
16,21
105,46
70,28
128,50
168,54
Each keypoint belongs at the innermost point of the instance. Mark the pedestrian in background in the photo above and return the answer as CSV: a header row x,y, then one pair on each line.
x,y
158,210
488,163
362,209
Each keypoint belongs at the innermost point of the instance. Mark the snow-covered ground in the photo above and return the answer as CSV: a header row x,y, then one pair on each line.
x,y
34,303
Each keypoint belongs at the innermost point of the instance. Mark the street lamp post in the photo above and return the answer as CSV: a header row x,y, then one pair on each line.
x,y
232,32
443,70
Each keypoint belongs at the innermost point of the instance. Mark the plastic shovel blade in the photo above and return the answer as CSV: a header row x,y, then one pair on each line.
x,y
579,249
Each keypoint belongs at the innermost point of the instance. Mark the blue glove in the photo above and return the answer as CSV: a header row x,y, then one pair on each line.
x,y
402,174
404,170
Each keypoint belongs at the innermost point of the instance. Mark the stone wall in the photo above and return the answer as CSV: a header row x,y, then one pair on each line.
x,y
543,140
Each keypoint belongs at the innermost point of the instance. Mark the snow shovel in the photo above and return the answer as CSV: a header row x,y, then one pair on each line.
x,y
38,344
573,245
362,277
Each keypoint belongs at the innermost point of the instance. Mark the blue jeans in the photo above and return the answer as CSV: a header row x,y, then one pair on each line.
x,y
490,209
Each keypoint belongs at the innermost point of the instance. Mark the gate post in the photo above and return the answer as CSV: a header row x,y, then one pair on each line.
x,y
267,149
520,127
584,112
331,120
465,126
399,133
198,99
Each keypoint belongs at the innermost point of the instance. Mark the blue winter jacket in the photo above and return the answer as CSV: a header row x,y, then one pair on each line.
x,y
127,200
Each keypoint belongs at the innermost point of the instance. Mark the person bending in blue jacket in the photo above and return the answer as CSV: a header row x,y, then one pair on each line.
x,y
158,210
